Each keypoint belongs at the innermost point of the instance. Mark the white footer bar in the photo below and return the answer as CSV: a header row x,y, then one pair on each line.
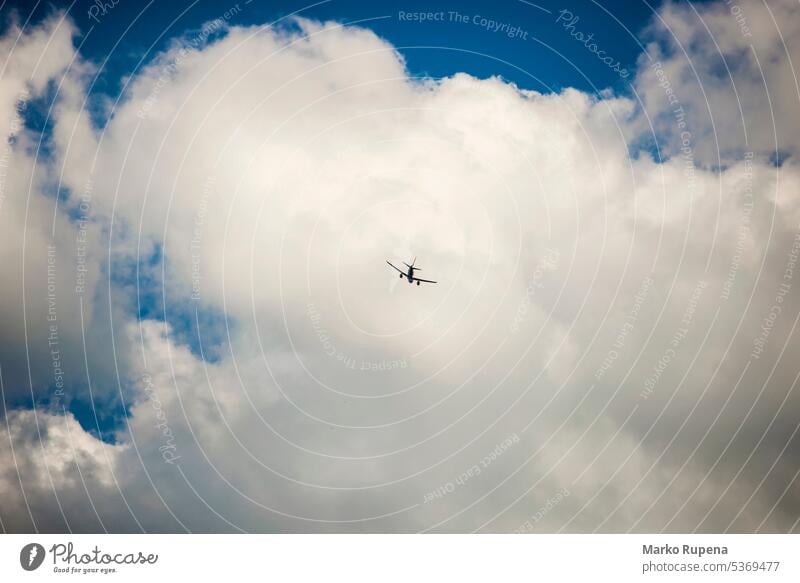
x,y
400,558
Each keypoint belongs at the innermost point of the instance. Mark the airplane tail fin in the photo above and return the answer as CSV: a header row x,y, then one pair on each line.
x,y
412,265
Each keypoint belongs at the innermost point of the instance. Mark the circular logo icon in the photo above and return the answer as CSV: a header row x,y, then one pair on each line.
x,y
31,556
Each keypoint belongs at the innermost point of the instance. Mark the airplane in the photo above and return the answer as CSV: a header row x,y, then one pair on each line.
x,y
410,275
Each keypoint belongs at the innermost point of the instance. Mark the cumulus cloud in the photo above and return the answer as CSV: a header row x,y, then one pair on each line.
x,y
604,333
732,67
53,251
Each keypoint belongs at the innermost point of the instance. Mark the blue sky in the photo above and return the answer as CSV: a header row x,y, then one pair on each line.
x,y
438,48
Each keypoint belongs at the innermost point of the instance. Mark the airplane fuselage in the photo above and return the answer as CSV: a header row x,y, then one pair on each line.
x,y
409,275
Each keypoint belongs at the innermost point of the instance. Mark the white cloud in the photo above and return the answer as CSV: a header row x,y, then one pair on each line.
x,y
732,66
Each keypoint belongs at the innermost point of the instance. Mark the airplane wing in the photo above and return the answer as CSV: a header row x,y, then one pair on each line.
x,y
398,269
424,280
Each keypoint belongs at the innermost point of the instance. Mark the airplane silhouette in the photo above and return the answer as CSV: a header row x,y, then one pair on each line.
x,y
410,275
